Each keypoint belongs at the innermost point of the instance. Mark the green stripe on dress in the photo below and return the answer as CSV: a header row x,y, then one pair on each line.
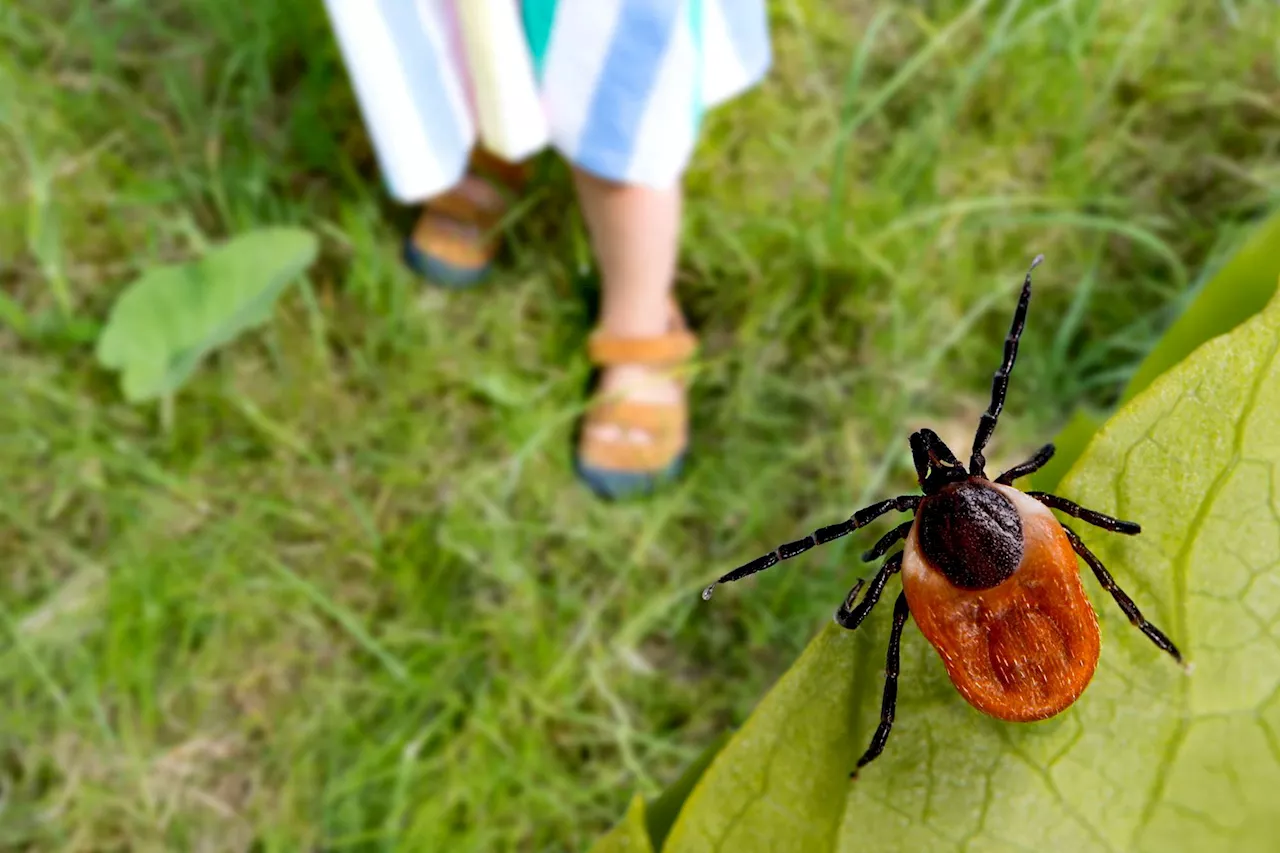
x,y
699,50
539,17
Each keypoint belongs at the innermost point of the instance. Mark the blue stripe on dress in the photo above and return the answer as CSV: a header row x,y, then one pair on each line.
x,y
748,26
640,39
425,71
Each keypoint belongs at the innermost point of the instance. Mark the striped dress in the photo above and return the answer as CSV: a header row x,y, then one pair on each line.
x,y
623,84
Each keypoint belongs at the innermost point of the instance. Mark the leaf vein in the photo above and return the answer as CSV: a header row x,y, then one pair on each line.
x,y
1180,565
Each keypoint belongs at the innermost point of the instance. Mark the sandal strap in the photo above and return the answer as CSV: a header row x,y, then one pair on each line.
x,y
474,201
659,420
510,176
665,425
671,348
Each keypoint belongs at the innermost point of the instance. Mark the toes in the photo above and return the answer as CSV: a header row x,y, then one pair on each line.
x,y
615,433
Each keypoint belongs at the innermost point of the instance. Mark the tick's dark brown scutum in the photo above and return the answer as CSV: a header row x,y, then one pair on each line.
x,y
988,573
971,533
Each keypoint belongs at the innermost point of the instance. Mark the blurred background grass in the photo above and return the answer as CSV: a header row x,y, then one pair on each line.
x,y
355,599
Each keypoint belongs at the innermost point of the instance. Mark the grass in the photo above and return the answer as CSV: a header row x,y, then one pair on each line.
x,y
354,599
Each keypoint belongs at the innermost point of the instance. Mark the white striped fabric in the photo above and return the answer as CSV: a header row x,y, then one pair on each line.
x,y
623,83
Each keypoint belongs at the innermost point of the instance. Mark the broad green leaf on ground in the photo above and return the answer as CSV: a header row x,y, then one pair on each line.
x,y
1150,758
169,319
656,816
780,782
630,836
661,812
1196,458
1232,295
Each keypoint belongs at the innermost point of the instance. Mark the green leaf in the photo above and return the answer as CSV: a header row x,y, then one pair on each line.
x,y
167,321
1195,457
780,782
1232,295
630,836
661,813
1150,757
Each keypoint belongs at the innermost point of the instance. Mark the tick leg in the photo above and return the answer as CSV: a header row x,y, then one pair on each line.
x,y
889,704
850,616
1097,519
1000,381
1126,603
887,541
821,536
1032,465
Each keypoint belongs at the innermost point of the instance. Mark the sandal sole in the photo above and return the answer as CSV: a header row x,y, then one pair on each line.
x,y
442,273
619,485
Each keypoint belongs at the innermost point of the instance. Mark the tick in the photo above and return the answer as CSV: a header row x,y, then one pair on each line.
x,y
988,572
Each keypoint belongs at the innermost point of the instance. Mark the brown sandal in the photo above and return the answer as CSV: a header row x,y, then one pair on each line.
x,y
456,238
624,467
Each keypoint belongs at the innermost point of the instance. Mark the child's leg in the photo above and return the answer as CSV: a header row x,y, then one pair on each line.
x,y
635,233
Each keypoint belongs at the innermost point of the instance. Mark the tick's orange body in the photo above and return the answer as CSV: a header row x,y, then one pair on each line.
x,y
1024,649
